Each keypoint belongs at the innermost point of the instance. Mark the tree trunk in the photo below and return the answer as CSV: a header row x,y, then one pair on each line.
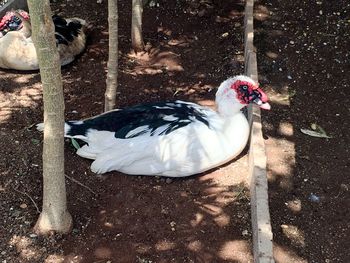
x,y
136,26
112,65
54,215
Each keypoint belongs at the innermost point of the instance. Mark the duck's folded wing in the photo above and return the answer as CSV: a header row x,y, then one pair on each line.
x,y
149,119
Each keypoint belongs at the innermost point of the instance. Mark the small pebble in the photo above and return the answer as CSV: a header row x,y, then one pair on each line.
x,y
314,198
344,187
244,232
169,181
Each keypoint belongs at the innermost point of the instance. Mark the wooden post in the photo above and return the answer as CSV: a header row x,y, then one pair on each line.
x,y
261,223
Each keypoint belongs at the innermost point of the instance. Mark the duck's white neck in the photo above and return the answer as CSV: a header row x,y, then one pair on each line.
x,y
226,100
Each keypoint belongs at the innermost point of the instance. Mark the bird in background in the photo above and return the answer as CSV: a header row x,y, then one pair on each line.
x,y
17,49
173,139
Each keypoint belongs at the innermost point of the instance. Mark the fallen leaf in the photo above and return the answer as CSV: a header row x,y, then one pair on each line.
x,y
75,144
315,134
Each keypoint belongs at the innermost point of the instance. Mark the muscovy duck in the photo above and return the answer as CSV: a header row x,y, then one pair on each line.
x,y
17,50
173,139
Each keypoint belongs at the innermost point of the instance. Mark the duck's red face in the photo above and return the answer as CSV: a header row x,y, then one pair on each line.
x,y
248,92
10,21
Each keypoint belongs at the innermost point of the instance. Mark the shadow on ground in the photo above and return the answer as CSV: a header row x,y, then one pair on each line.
x,y
191,48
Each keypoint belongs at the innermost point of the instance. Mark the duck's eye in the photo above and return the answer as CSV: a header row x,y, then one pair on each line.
x,y
244,87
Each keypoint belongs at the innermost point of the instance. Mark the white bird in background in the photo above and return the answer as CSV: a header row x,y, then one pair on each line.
x,y
17,49
174,139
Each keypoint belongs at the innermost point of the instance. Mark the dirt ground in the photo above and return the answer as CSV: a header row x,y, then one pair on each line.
x,y
303,60
191,48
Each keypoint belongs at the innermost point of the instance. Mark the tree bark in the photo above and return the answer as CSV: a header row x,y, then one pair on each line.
x,y
112,65
54,216
136,26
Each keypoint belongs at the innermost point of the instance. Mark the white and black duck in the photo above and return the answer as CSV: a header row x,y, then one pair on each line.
x,y
174,139
17,49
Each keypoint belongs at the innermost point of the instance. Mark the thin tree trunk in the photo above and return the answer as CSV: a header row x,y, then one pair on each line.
x,y
136,26
54,215
112,65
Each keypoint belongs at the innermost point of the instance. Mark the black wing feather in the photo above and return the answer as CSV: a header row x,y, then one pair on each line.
x,y
65,32
150,116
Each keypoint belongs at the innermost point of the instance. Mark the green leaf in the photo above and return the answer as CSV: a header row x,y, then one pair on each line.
x,y
75,144
314,133
35,141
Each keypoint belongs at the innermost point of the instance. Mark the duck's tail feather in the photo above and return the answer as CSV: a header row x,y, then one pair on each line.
x,y
87,152
68,127
66,30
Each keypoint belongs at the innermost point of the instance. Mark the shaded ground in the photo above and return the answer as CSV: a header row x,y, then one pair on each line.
x,y
303,57
192,47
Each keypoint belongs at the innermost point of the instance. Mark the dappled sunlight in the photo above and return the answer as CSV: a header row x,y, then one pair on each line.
x,y
281,162
203,218
23,79
195,246
20,99
25,247
294,205
222,220
285,254
301,60
286,129
142,248
294,234
165,245
211,209
261,12
215,207
197,220
236,250
279,95
56,258
280,136
103,252
154,62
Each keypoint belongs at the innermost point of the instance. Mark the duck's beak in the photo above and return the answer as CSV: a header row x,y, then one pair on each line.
x,y
261,104
260,98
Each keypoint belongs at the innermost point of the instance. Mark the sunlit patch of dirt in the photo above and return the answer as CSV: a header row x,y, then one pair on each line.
x,y
155,62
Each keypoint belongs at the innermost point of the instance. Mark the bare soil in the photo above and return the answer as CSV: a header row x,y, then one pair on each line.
x,y
191,47
303,60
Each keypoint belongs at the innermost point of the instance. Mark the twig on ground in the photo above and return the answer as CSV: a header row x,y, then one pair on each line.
x,y
81,184
241,194
31,199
